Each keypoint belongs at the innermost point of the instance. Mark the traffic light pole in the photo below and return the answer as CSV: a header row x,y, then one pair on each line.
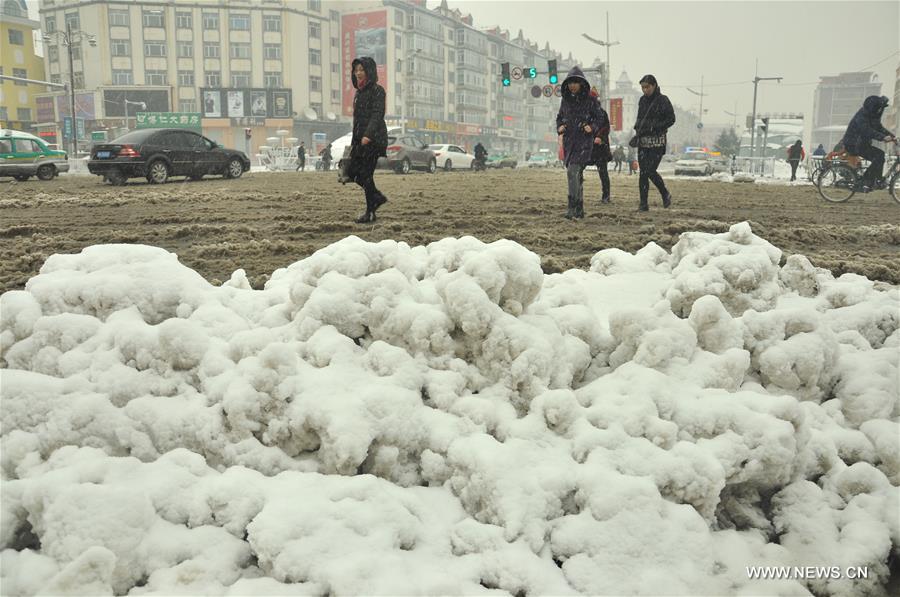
x,y
756,81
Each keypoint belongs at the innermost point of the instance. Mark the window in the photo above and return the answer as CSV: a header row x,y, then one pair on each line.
x,y
157,77
315,30
56,79
272,51
239,50
73,20
120,47
273,80
76,52
24,114
5,144
398,41
185,78
315,5
315,83
53,53
213,79
154,18
26,146
185,49
240,22
20,72
271,22
335,68
4,114
184,20
240,79
16,37
334,15
210,20
315,57
187,105
335,42
79,80
211,50
49,24
154,48
119,18
336,96
122,77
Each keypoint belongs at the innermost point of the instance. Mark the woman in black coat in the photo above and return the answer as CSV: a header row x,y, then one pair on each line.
x,y
369,141
578,121
655,116
601,154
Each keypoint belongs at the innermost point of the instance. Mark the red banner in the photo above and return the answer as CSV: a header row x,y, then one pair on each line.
x,y
363,34
615,113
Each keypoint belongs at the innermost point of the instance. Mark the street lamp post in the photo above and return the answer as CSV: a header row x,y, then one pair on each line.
x,y
700,124
143,106
69,38
406,57
756,81
607,44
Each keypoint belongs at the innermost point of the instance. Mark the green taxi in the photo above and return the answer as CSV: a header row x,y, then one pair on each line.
x,y
23,155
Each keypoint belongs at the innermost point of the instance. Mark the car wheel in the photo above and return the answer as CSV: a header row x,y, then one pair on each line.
x,y
404,167
158,172
46,172
432,166
116,178
235,169
21,177
448,165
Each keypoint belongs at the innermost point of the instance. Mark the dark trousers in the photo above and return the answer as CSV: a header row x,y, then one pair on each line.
x,y
363,165
648,161
604,177
301,162
575,179
875,171
618,167
794,164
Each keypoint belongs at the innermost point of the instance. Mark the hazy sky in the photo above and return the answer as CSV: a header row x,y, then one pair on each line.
x,y
721,40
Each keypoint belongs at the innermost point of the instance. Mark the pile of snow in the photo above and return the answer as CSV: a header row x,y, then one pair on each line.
x,y
446,419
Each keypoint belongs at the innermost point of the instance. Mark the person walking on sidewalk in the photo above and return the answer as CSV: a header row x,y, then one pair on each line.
x,y
578,121
654,118
600,154
795,155
618,158
301,157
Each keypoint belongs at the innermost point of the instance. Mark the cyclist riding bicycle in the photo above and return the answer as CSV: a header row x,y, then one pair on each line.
x,y
864,127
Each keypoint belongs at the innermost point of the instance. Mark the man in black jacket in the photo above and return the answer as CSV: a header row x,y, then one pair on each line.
x,y
864,127
655,116
369,140
301,157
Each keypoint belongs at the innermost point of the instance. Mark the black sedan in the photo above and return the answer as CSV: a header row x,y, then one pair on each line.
x,y
158,154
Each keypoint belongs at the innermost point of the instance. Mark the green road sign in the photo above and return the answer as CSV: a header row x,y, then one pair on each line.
x,y
165,120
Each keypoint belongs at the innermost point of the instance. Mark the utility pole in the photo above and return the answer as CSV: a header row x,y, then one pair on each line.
x,y
756,80
700,123
607,44
69,39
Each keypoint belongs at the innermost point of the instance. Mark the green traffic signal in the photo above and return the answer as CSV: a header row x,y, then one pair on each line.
x,y
506,82
553,79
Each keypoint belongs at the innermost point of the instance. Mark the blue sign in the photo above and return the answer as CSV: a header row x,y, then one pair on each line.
x,y
67,127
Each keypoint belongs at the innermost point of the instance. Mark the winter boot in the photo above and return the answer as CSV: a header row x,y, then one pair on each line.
x,y
366,218
604,198
570,212
579,209
379,201
667,199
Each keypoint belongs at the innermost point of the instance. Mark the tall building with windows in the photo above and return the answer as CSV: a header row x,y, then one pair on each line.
x,y
836,100
18,59
265,65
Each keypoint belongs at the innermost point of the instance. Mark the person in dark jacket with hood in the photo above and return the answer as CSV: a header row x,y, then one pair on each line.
x,y
601,154
819,152
578,121
864,127
369,140
655,116
795,154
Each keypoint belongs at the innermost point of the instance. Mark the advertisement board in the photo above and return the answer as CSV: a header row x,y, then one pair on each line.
x,y
615,113
84,106
156,100
246,103
45,110
164,120
362,34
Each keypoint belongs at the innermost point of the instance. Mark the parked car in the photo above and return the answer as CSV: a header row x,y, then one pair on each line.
x,y
405,152
720,163
500,160
541,160
340,147
159,154
693,163
23,155
452,156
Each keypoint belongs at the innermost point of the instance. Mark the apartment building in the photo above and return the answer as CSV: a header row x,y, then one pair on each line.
x,y
18,108
836,100
264,65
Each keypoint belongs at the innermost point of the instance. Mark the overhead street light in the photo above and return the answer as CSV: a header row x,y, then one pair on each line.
x,y
69,38
606,44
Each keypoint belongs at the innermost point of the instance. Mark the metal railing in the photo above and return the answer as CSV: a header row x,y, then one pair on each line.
x,y
764,167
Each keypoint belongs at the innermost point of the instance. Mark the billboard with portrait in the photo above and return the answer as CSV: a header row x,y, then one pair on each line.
x,y
258,103
246,103
212,103
281,103
236,103
363,34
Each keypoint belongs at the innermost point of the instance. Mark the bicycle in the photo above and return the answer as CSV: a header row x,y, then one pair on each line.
x,y
839,179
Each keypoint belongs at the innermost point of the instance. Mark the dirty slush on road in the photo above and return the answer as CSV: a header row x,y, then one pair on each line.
x,y
265,221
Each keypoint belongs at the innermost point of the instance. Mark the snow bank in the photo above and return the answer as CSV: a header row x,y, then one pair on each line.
x,y
446,419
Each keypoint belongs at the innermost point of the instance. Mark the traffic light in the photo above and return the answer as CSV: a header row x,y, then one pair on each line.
x,y
551,68
531,72
504,71
765,125
248,133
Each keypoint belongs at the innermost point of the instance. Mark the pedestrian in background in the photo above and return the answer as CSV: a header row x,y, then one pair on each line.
x,y
326,157
369,140
578,121
819,152
795,154
600,154
654,118
632,161
301,157
618,158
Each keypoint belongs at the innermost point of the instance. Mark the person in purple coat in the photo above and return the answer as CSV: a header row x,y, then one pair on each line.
x,y
578,121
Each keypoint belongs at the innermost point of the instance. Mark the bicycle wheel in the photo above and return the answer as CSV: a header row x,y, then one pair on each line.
x,y
894,186
837,183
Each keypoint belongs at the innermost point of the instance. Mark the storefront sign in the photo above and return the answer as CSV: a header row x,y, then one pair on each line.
x,y
162,120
